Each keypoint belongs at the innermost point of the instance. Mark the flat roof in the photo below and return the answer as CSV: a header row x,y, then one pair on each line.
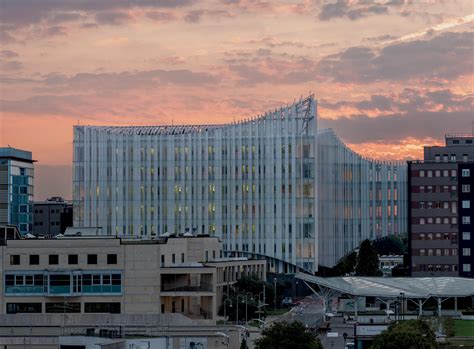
x,y
411,287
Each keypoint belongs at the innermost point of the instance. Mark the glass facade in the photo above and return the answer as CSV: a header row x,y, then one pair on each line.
x,y
253,183
16,189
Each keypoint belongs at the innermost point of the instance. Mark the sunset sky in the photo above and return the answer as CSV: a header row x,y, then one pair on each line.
x,y
389,76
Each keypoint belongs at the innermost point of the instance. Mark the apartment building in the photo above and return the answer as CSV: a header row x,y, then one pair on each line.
x,y
16,188
440,209
108,275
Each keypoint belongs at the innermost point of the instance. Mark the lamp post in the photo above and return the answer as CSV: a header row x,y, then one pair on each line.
x,y
237,314
402,307
225,307
246,305
275,290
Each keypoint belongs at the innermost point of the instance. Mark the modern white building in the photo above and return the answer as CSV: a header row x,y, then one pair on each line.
x,y
269,186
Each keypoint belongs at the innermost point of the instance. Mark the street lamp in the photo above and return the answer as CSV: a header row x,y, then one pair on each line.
x,y
402,296
225,307
275,290
237,314
246,305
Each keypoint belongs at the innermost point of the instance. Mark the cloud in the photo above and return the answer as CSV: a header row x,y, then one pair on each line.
x,y
411,113
8,54
112,17
342,8
10,65
446,56
18,15
195,16
159,16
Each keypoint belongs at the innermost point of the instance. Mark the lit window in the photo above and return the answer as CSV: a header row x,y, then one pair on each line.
x,y
466,235
466,251
466,172
422,173
466,267
466,204
466,219
466,188
446,173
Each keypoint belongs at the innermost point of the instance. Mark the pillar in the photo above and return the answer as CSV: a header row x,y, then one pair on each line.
x,y
356,313
420,307
439,306
455,304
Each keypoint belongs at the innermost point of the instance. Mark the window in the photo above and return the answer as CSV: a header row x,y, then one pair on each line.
x,y
111,259
422,237
466,235
53,259
445,173
73,259
438,252
182,257
422,173
465,172
466,188
162,260
453,173
454,252
422,221
466,219
466,204
173,258
437,173
63,307
17,308
15,259
34,259
91,259
430,252
466,251
422,252
446,251
108,308
466,267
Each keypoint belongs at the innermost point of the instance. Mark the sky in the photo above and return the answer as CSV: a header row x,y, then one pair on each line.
x,y
389,76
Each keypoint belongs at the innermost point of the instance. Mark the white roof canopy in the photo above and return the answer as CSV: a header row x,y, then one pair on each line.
x,y
411,287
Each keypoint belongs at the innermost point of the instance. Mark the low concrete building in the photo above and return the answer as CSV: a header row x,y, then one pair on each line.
x,y
106,275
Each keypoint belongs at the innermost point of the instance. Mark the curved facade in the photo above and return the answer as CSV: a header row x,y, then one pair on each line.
x,y
269,186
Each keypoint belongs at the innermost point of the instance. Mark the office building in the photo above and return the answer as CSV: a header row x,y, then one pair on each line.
x,y
97,275
272,186
16,188
52,217
440,209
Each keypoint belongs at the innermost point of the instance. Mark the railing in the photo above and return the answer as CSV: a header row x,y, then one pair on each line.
x,y
24,289
62,290
102,289
186,288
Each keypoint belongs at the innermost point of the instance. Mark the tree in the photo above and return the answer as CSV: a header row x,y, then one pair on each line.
x,y
284,335
389,245
410,334
243,345
345,265
367,260
231,308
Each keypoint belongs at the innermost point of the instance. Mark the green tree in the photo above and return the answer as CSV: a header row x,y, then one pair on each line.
x,y
410,334
346,265
367,260
284,335
243,345
231,308
389,245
